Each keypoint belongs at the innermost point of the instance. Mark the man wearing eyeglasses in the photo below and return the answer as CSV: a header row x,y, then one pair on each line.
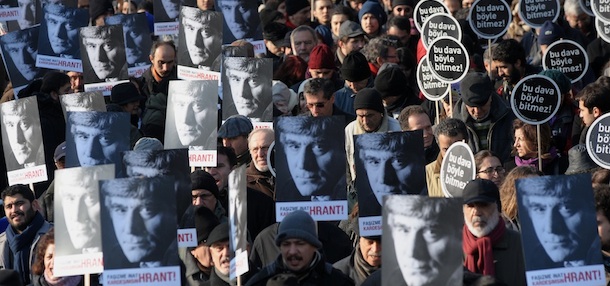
x,y
320,99
258,174
381,50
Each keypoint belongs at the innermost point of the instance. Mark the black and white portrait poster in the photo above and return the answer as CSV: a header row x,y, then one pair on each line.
x,y
238,209
78,224
103,53
30,12
19,50
386,164
154,163
246,87
310,166
138,42
241,20
82,101
202,30
166,17
422,241
9,10
139,231
58,41
191,120
96,138
559,230
22,137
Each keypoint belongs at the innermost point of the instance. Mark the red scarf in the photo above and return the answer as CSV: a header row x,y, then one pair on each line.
x,y
478,250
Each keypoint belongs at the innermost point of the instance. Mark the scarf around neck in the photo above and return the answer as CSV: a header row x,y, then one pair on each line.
x,y
19,245
534,161
478,250
362,267
62,281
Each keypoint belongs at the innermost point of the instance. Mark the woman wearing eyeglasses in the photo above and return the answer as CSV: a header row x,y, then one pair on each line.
x,y
525,149
489,167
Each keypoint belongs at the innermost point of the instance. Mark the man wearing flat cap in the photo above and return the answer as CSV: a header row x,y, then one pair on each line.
x,y
351,38
234,133
487,117
298,241
489,247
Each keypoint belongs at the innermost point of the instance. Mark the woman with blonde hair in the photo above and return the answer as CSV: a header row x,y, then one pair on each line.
x,y
508,194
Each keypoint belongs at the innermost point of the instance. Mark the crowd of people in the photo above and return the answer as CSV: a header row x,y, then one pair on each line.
x,y
348,112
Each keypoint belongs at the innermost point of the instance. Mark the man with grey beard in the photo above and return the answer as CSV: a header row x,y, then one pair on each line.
x,y
489,247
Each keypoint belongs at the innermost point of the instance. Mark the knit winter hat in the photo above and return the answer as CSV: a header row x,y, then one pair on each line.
x,y
369,98
391,82
355,67
476,89
294,6
373,7
201,179
148,143
205,222
321,57
562,80
298,224
403,2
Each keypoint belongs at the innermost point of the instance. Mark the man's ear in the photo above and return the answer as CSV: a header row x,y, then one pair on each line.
x,y
518,63
150,57
378,61
36,205
596,112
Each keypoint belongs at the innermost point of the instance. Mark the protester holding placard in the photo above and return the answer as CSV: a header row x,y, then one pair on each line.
x,y
509,58
525,149
490,248
486,115
447,132
42,270
561,123
592,103
414,117
508,195
26,228
559,224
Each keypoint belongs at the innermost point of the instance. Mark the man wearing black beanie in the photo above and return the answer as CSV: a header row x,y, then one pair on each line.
x,y
371,117
357,75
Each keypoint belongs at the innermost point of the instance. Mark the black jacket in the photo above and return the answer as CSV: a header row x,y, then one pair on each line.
x,y
321,273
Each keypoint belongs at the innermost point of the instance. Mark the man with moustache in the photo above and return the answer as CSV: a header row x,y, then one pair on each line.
x,y
489,247
18,242
154,84
218,243
509,59
299,245
202,30
364,260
